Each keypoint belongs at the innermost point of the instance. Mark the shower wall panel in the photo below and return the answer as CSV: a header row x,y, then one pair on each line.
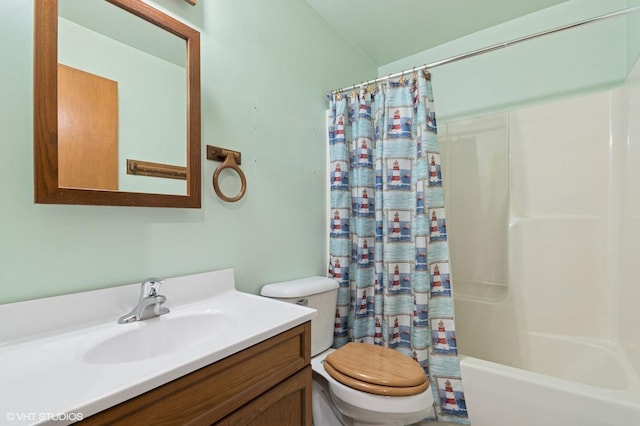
x,y
533,202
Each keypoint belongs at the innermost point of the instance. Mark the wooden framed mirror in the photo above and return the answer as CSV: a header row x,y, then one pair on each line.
x,y
49,188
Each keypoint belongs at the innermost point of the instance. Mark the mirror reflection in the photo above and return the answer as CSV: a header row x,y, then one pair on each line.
x,y
122,84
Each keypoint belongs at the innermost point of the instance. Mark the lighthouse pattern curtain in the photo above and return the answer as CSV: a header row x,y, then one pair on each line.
x,y
388,231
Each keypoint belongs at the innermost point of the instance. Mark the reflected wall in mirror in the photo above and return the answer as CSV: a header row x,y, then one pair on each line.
x,y
104,43
151,75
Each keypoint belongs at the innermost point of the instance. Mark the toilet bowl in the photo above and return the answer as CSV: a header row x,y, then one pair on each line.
x,y
366,384
362,408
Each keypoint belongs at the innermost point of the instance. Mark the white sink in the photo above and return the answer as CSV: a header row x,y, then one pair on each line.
x,y
159,336
71,357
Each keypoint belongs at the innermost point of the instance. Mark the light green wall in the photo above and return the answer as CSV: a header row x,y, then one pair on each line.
x,y
633,35
265,69
580,60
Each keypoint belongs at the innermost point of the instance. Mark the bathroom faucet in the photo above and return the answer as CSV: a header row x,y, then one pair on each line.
x,y
150,303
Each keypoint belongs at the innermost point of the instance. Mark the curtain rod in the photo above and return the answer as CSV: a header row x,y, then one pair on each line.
x,y
491,48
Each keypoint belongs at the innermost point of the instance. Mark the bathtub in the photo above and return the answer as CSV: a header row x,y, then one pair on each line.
x,y
552,380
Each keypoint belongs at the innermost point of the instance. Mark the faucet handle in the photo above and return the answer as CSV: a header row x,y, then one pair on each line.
x,y
150,287
158,309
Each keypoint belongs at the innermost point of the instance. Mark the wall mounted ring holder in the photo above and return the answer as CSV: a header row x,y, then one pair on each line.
x,y
230,160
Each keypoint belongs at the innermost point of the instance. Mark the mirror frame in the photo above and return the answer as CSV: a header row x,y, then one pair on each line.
x,y
45,108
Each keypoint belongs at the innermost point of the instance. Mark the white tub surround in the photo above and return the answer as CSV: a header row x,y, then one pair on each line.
x,y
66,357
543,204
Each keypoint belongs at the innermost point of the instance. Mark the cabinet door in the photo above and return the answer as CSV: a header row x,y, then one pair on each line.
x,y
287,404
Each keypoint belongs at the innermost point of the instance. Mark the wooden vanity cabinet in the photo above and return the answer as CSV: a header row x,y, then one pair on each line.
x,y
266,384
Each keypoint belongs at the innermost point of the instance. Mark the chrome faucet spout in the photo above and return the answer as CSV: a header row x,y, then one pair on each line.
x,y
150,302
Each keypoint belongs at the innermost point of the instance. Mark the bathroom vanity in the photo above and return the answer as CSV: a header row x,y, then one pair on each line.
x,y
219,356
266,384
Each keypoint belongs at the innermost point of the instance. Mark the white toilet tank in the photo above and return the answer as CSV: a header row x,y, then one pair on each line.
x,y
319,293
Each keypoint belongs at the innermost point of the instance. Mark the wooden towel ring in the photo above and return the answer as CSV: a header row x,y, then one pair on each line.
x,y
231,161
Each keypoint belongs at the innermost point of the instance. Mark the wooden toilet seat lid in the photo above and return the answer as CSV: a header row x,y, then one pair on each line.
x,y
376,369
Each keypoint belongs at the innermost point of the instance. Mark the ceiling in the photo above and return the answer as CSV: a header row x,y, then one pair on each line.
x,y
389,30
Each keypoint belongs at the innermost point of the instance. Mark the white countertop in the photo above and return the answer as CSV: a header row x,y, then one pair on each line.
x,y
44,372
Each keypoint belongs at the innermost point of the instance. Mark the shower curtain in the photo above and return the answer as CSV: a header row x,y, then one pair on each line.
x,y
388,235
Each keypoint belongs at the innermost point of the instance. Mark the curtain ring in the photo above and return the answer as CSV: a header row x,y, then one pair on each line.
x,y
426,73
229,163
402,80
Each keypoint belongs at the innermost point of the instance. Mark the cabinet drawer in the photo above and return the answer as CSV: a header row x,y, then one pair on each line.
x,y
209,394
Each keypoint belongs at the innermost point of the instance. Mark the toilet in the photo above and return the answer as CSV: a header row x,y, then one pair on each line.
x,y
360,383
